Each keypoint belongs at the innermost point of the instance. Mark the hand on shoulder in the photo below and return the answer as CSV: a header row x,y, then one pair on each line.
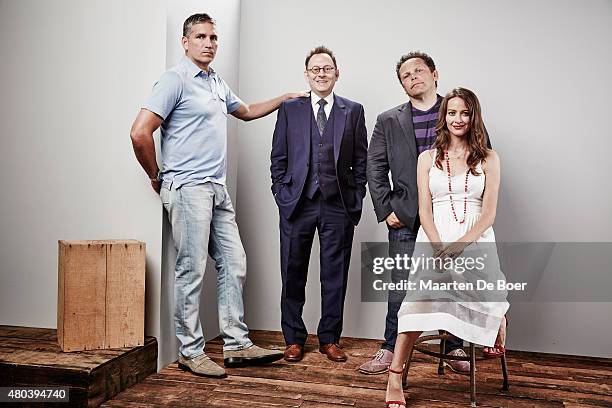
x,y
299,94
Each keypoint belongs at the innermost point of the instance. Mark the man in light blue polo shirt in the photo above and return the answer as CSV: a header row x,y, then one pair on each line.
x,y
190,103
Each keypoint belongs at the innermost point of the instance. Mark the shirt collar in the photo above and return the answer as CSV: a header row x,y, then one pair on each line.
x,y
314,100
193,70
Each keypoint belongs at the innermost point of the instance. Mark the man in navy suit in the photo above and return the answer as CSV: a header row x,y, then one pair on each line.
x,y
319,153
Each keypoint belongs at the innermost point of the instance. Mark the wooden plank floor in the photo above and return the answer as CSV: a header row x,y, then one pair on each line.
x,y
536,380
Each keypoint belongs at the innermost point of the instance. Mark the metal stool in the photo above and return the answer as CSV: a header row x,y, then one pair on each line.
x,y
471,357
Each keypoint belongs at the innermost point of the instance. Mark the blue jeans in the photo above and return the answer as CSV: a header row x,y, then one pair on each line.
x,y
401,242
203,222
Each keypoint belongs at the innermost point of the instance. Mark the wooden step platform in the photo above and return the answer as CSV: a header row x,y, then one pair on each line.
x,y
536,380
32,357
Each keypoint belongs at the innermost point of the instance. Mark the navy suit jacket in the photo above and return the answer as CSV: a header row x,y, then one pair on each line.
x,y
290,155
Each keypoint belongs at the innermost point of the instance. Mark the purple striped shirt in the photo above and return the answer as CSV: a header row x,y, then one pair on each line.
x,y
424,123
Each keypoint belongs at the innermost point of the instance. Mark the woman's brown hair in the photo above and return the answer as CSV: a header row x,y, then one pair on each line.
x,y
476,139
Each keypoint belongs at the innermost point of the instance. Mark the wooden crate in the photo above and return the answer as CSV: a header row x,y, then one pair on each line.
x,y
100,294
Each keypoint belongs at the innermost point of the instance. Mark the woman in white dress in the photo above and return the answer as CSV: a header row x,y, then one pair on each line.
x,y
458,183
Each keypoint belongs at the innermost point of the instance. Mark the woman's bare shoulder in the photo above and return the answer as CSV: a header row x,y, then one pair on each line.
x,y
426,157
491,161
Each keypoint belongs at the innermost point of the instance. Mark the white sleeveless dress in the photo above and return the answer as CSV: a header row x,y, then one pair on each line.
x,y
469,315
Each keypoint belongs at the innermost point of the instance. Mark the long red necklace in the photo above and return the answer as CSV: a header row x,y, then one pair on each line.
x,y
450,190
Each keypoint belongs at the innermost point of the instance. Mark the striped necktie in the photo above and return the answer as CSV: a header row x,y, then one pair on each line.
x,y
321,117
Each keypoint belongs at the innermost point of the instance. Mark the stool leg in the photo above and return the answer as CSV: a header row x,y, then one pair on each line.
x,y
441,363
472,375
406,368
506,385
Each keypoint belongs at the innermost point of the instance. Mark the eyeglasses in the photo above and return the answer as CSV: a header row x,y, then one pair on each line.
x,y
328,69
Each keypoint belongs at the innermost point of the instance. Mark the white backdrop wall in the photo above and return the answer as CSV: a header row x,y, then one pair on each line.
x,y
73,76
541,71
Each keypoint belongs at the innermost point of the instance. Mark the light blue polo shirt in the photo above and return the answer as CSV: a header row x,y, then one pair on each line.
x,y
194,106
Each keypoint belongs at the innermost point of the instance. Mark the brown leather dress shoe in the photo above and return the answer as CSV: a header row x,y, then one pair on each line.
x,y
333,351
294,352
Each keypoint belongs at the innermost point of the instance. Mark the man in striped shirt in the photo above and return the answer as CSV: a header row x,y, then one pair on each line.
x,y
399,136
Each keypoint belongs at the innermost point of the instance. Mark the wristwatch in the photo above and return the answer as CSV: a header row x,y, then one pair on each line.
x,y
157,178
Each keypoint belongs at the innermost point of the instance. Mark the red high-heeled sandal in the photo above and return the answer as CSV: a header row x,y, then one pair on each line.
x,y
499,350
389,403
